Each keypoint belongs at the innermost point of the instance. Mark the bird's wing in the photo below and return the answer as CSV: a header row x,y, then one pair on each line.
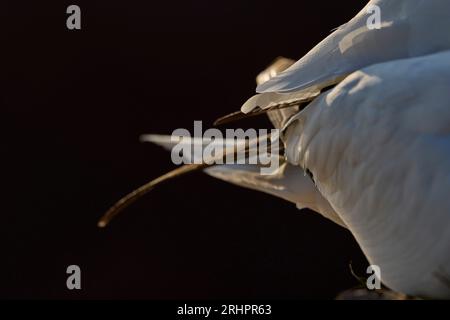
x,y
378,145
286,181
408,28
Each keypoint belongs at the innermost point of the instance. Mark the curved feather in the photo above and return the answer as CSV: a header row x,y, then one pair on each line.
x,y
409,28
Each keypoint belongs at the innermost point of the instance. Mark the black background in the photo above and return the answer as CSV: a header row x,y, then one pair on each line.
x,y
73,104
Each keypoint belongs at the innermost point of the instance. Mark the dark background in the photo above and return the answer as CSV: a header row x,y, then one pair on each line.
x,y
73,104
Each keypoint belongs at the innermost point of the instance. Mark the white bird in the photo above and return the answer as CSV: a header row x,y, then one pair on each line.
x,y
377,144
378,147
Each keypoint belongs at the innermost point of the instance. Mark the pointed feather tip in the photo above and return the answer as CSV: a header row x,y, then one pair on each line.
x,y
101,224
107,217
155,138
237,115
250,104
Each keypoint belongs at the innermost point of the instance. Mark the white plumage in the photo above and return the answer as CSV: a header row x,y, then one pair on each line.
x,y
377,144
409,28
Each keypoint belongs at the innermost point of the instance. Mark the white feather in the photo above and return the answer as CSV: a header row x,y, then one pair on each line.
x,y
409,28
378,146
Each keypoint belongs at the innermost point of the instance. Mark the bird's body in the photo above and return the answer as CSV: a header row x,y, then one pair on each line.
x,y
377,144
